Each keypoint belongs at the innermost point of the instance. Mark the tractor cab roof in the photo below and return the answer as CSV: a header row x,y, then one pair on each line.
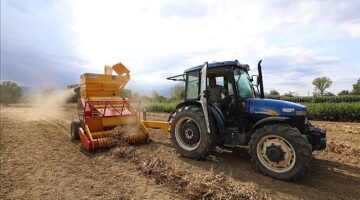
x,y
224,64
214,65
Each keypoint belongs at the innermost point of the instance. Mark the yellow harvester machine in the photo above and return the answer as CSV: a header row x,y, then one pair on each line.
x,y
101,108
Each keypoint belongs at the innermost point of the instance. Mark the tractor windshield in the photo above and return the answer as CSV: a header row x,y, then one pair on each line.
x,y
243,84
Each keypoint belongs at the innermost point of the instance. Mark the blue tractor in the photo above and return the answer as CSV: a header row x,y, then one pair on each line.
x,y
277,133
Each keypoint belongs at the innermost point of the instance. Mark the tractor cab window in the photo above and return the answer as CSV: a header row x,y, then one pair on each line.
x,y
192,85
220,80
243,84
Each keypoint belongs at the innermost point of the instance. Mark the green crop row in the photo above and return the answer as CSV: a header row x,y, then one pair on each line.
x,y
159,107
334,111
317,99
316,111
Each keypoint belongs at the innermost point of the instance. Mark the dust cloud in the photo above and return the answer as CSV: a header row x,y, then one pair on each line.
x,y
49,104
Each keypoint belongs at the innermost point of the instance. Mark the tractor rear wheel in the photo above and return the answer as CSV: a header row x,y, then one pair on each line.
x,y
74,127
280,151
189,133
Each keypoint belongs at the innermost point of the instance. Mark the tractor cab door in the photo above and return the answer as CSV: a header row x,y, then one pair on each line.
x,y
195,90
203,93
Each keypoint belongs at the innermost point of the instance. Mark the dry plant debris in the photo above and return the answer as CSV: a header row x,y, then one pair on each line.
x,y
207,185
342,149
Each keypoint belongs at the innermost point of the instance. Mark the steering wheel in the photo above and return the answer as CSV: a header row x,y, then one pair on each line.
x,y
226,101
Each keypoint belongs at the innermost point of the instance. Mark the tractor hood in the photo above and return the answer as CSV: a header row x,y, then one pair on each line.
x,y
272,107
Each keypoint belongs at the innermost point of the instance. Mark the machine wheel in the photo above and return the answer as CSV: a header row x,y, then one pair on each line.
x,y
189,133
75,125
280,151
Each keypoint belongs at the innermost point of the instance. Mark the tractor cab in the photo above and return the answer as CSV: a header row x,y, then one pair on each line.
x,y
222,88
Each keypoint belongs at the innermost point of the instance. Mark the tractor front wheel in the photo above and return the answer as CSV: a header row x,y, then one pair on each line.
x,y
189,133
280,151
74,127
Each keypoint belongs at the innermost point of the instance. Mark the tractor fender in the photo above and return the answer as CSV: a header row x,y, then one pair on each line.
x,y
268,120
214,111
188,103
183,104
218,117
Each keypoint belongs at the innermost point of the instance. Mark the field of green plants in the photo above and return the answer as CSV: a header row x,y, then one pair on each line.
x,y
158,107
334,111
328,111
319,99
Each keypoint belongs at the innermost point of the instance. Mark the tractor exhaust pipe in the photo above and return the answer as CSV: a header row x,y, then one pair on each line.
x,y
260,80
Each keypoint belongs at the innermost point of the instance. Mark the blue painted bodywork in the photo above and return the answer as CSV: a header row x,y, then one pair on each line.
x,y
272,107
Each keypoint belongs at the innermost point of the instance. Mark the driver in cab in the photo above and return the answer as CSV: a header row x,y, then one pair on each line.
x,y
216,91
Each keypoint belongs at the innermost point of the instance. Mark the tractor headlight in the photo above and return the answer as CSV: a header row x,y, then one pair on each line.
x,y
288,110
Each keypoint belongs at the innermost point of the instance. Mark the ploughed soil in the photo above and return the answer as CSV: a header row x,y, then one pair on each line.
x,y
38,161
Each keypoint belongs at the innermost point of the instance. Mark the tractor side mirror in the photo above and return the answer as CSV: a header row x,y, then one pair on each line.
x,y
253,77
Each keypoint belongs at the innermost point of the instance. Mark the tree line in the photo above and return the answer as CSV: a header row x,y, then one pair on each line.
x,y
11,92
321,84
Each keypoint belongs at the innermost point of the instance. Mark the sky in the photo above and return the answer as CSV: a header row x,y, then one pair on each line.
x,y
49,43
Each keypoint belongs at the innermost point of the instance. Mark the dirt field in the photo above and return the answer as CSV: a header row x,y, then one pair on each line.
x,y
38,161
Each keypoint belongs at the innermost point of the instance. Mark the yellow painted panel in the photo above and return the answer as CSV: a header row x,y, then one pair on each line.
x,y
100,86
95,124
87,94
101,78
120,120
105,98
107,70
101,134
120,69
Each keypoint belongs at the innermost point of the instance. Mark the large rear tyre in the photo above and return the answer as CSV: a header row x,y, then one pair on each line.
x,y
189,133
280,151
74,127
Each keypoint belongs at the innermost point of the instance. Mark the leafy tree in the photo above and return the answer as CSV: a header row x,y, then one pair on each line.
x,y
157,98
74,97
135,96
155,95
344,92
356,88
49,91
162,99
178,92
329,94
274,93
10,92
72,86
290,94
145,98
321,84
126,93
